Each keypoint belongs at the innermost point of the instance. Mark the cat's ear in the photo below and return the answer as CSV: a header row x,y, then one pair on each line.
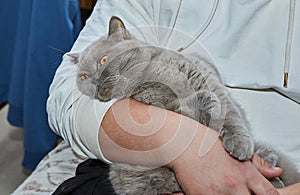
x,y
74,56
117,25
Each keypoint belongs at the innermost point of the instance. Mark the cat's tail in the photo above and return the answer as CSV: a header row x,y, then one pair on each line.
x,y
135,179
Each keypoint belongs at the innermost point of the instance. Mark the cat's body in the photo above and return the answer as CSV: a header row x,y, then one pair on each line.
x,y
119,66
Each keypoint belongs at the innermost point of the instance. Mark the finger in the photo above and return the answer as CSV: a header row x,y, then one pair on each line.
x,y
265,168
264,188
291,190
259,185
243,191
283,191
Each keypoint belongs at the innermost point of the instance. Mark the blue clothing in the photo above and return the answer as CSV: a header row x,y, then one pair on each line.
x,y
8,29
45,30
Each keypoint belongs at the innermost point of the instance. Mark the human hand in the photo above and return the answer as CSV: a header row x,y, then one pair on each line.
x,y
265,168
269,172
290,190
218,173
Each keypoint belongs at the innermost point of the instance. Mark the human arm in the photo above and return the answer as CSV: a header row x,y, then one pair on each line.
x,y
196,152
269,172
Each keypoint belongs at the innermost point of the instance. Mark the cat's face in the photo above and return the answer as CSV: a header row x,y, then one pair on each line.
x,y
98,74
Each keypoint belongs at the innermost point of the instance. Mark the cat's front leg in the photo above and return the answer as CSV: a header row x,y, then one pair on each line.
x,y
235,134
210,107
238,143
225,117
267,153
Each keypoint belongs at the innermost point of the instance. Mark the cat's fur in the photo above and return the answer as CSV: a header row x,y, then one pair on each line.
x,y
186,84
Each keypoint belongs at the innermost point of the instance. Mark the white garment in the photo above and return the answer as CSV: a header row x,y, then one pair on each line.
x,y
246,39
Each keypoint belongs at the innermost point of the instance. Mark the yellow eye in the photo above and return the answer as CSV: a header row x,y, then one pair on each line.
x,y
103,60
84,77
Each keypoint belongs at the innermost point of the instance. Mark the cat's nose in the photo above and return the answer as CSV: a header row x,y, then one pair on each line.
x,y
94,81
104,94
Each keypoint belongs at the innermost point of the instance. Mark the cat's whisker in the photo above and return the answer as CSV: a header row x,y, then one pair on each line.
x,y
56,49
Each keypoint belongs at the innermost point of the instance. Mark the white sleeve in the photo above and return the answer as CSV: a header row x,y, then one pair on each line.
x,y
73,116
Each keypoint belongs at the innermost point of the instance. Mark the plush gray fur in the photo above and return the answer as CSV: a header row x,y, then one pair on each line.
x,y
119,66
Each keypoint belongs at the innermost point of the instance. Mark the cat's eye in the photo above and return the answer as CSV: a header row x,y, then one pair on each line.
x,y
103,60
84,77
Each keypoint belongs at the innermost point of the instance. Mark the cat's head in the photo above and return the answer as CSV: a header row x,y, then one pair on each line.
x,y
97,73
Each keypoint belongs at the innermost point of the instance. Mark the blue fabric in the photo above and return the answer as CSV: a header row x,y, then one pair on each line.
x,y
7,40
45,31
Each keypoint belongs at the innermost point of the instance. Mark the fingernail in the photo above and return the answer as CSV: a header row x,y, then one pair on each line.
x,y
277,168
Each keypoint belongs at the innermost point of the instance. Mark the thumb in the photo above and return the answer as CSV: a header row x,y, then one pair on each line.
x,y
265,168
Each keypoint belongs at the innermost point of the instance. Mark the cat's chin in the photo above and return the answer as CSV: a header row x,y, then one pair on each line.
x,y
103,99
106,99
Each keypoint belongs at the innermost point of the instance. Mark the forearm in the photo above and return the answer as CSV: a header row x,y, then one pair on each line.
x,y
190,149
133,132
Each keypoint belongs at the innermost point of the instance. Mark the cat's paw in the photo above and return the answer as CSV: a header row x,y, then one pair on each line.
x,y
268,155
240,147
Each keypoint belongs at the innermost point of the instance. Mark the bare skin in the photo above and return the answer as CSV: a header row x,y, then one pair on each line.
x,y
222,173
290,190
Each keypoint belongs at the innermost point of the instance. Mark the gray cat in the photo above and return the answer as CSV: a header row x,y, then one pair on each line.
x,y
120,66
